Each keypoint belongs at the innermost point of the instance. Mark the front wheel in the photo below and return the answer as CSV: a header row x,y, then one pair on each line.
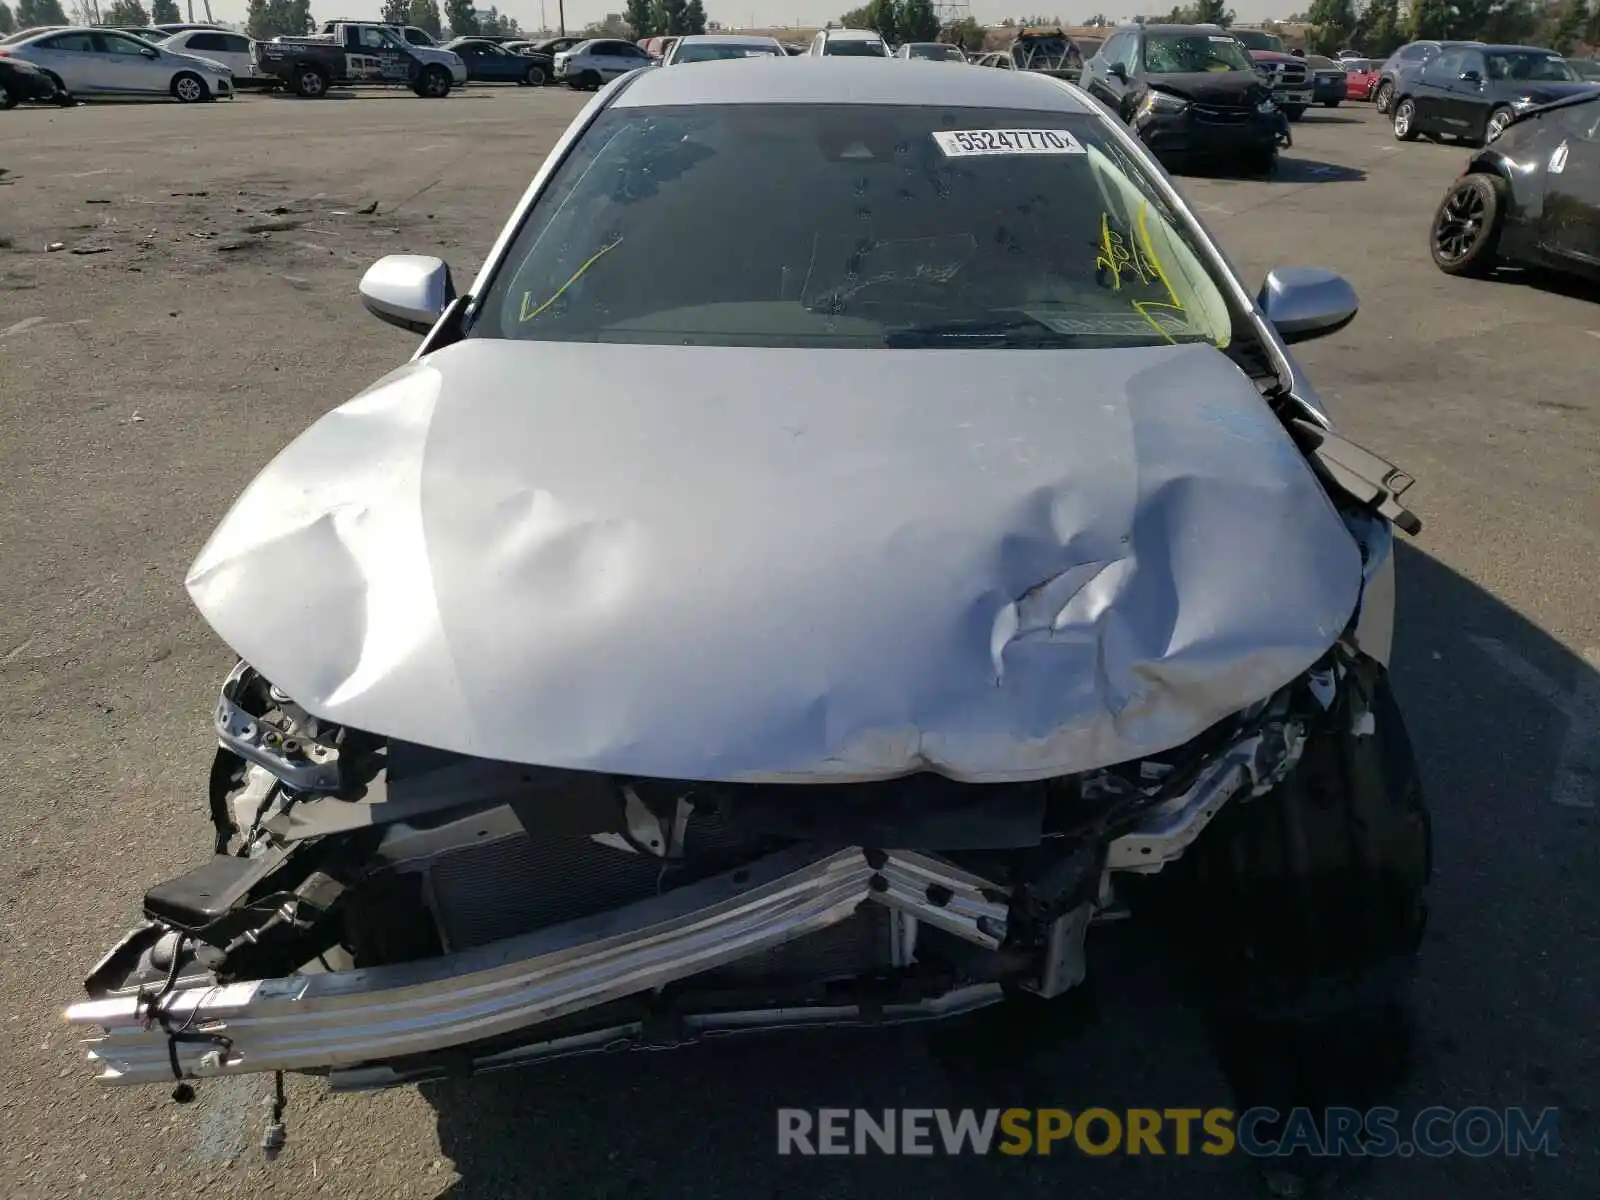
x,y
1330,104
1465,238
1498,120
1295,111
1384,97
8,98
433,83
311,83
1312,899
1260,162
1405,120
189,88
535,76
63,98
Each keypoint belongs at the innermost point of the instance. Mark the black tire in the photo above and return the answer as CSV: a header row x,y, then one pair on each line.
x,y
1310,901
8,98
590,81
1495,126
1464,238
63,98
1330,104
1405,120
433,83
535,76
189,88
1295,111
1384,96
311,83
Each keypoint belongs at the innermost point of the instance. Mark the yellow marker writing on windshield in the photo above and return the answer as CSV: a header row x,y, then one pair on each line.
x,y
1145,308
528,314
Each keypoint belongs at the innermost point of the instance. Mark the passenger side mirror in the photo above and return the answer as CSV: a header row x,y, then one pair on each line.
x,y
410,291
1117,71
1307,302
1471,77
151,52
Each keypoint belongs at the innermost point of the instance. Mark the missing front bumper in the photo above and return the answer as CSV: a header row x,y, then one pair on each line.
x,y
348,1018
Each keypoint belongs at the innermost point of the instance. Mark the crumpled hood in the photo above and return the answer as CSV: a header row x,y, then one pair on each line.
x,y
746,564
1222,88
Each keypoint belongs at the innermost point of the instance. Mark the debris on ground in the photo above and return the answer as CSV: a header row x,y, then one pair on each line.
x,y
54,246
369,209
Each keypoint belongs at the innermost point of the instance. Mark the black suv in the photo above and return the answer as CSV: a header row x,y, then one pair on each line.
x,y
1189,92
1407,62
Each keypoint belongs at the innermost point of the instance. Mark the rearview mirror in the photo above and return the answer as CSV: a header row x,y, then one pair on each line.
x,y
1307,302
408,290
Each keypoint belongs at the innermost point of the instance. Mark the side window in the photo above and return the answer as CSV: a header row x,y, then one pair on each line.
x,y
77,43
372,39
1446,67
121,45
1127,52
207,41
1414,53
234,44
1472,60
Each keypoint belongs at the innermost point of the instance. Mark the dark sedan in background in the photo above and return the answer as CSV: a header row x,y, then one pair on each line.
x,y
1531,199
1403,67
21,81
1328,81
489,62
1474,92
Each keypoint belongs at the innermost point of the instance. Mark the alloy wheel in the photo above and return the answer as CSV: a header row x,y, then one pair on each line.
x,y
1461,224
1497,125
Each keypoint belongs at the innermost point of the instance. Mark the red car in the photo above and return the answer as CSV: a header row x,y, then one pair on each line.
x,y
1361,78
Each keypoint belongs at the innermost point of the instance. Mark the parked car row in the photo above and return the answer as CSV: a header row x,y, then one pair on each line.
x,y
82,61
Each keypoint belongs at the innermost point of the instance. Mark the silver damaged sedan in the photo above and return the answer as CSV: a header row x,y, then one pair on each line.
x,y
855,533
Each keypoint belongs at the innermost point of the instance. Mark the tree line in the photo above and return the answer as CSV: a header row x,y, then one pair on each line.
x,y
897,20
658,18
1376,27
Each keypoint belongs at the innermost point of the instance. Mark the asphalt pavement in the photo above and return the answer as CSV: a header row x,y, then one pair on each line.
x,y
201,310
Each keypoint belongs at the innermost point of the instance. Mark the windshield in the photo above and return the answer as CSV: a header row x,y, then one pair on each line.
x,y
1192,53
1255,39
710,51
1584,68
934,51
856,46
852,226
1530,67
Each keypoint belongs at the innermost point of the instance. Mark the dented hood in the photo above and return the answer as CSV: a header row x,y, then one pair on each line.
x,y
756,564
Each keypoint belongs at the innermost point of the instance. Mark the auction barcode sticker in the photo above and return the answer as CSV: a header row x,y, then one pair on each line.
x,y
959,143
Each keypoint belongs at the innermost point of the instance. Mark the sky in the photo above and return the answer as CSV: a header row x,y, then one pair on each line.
x,y
760,13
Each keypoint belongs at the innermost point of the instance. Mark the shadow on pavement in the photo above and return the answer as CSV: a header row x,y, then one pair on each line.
x,y
1557,283
1308,170
1328,116
700,1122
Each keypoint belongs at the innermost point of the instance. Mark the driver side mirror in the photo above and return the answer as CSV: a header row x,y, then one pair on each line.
x,y
1471,77
1307,302
1117,71
150,52
410,291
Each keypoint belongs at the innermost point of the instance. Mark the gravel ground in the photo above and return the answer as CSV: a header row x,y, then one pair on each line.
x,y
202,310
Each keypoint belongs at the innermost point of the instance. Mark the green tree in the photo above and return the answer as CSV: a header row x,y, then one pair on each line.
x,y
424,14
1210,12
966,33
881,16
669,18
40,12
694,17
1380,31
1432,19
126,12
463,20
295,17
1570,26
396,12
640,18
8,23
856,18
917,21
1333,23
164,12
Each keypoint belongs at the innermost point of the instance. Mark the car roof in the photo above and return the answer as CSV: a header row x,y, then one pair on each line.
x,y
852,35
845,80
1509,47
1168,28
725,39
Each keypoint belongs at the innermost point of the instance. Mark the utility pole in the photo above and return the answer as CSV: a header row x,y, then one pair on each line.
x,y
561,17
